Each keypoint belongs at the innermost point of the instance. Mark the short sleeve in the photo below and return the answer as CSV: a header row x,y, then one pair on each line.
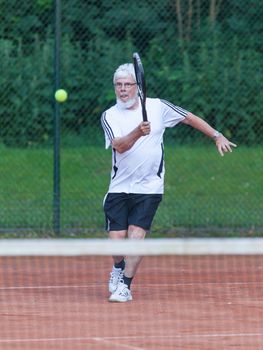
x,y
172,114
110,127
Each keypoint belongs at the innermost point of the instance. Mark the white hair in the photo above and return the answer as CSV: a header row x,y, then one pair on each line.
x,y
123,71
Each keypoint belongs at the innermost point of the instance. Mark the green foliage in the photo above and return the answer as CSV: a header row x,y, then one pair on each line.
x,y
25,88
205,56
211,65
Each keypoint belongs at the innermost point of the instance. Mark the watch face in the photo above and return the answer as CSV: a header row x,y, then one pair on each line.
x,y
216,134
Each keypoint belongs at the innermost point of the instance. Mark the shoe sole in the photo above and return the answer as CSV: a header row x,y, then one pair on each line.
x,y
119,301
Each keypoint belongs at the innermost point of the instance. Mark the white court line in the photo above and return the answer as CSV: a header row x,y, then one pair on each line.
x,y
142,337
110,342
152,285
52,287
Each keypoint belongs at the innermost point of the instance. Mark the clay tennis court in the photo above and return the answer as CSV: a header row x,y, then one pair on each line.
x,y
180,302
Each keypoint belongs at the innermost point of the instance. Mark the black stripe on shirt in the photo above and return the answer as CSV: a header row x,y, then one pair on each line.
x,y
115,169
106,126
160,170
177,109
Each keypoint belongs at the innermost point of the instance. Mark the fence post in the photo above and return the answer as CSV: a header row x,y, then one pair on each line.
x,y
56,169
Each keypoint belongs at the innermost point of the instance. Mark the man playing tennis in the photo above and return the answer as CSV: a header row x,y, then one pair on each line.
x,y
137,175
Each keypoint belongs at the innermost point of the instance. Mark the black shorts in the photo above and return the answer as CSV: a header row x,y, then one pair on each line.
x,y
124,209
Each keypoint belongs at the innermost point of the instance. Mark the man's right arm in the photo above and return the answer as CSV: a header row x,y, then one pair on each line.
x,y
124,143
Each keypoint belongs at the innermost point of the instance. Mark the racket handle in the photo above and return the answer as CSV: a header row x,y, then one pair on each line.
x,y
144,115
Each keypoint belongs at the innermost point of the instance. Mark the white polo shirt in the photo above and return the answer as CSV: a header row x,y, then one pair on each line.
x,y
141,168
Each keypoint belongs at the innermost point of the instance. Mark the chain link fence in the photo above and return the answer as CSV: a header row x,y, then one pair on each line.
x,y
203,55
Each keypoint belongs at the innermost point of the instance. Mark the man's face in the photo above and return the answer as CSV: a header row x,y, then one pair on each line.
x,y
126,91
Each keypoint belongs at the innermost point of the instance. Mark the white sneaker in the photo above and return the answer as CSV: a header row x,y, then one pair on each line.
x,y
115,276
121,294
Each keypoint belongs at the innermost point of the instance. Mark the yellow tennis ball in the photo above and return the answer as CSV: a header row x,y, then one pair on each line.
x,y
61,95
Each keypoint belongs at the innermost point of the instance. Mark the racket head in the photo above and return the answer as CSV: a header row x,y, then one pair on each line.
x,y
139,74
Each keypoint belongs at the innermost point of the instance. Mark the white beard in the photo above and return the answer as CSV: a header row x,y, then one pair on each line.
x,y
128,104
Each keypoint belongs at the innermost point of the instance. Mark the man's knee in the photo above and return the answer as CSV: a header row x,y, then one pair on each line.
x,y
136,232
117,234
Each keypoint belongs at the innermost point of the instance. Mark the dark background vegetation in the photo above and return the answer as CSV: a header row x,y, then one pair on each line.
x,y
204,55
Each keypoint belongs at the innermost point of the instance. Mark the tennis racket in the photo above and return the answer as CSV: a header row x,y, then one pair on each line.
x,y
140,80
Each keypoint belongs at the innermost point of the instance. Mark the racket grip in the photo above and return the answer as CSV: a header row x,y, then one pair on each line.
x,y
144,115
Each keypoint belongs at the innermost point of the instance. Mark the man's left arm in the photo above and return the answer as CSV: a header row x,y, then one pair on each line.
x,y
222,143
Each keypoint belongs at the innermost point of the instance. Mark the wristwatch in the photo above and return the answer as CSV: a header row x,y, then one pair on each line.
x,y
216,135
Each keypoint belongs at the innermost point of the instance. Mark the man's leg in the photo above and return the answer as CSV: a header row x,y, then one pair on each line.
x,y
133,262
118,235
139,211
123,293
118,262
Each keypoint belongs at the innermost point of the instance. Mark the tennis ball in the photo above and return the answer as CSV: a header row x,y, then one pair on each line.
x,y
61,95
